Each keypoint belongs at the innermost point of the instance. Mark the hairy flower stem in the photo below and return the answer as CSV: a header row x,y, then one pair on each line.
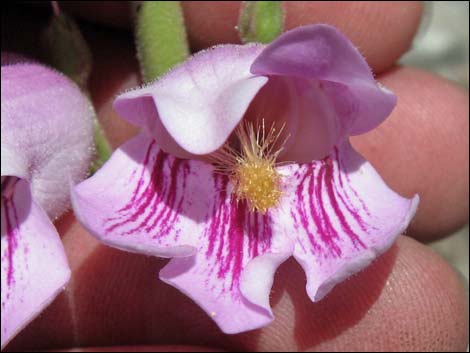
x,y
160,37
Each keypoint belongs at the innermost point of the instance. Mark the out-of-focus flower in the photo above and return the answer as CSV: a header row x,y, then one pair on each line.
x,y
46,141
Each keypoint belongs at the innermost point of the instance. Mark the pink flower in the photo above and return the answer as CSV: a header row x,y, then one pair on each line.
x,y
46,138
228,225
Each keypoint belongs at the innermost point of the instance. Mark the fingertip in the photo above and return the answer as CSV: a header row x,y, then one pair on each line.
x,y
423,148
408,299
439,308
149,348
211,22
382,31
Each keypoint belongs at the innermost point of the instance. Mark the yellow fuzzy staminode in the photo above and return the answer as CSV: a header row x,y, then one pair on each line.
x,y
251,166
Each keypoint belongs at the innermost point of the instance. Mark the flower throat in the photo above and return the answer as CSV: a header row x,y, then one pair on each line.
x,y
252,166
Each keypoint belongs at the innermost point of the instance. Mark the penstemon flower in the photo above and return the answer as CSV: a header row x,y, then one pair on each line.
x,y
46,140
244,161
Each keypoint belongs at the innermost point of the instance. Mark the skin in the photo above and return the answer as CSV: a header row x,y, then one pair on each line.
x,y
408,299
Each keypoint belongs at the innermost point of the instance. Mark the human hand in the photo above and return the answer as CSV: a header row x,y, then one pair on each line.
x,y
408,299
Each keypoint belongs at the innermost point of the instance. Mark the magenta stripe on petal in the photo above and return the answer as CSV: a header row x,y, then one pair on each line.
x,y
140,182
155,203
33,264
11,221
316,191
164,206
333,198
234,234
233,237
343,215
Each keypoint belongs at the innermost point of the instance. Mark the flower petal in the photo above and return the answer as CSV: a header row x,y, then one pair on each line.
x,y
232,274
46,134
33,263
147,201
304,111
344,216
320,52
198,104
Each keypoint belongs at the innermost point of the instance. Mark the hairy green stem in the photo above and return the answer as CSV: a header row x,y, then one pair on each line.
x,y
160,37
260,21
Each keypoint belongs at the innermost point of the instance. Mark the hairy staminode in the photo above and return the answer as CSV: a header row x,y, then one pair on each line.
x,y
251,166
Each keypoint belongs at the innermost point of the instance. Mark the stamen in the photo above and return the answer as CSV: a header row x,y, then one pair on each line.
x,y
252,167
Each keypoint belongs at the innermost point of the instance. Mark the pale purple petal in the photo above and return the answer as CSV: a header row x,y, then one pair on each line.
x,y
147,201
322,53
343,216
46,133
34,268
305,112
232,274
198,104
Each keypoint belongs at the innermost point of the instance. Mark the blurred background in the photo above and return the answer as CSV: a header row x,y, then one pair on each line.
x,y
442,46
